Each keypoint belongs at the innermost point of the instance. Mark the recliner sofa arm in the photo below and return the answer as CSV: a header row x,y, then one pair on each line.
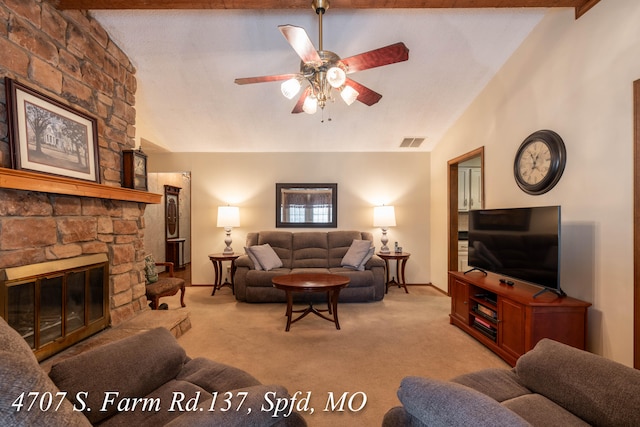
x,y
133,366
375,261
598,390
244,261
433,402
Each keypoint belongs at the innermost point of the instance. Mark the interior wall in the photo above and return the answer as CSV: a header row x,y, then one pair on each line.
x,y
154,215
574,77
248,180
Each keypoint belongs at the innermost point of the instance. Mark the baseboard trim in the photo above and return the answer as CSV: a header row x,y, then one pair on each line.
x,y
431,285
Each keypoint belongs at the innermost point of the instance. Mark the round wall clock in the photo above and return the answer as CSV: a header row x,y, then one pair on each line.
x,y
539,162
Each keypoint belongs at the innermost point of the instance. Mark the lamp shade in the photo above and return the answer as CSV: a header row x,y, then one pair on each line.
x,y
310,104
290,88
228,216
349,95
336,77
384,216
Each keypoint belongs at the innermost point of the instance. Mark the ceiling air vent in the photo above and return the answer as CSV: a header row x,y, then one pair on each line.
x,y
411,142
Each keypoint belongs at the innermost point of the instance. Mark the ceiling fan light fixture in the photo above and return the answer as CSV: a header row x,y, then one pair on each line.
x,y
324,71
336,77
349,95
310,105
290,88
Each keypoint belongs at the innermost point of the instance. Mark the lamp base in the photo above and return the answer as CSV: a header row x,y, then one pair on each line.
x,y
227,241
384,240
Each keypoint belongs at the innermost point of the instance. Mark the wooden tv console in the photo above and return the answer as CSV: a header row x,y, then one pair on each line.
x,y
508,320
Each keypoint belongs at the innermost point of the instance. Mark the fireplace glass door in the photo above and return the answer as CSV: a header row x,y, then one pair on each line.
x,y
57,308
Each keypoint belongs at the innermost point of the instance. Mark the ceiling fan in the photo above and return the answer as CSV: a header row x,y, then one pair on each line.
x,y
323,70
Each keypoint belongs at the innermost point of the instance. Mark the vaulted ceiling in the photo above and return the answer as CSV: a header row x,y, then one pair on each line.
x,y
188,52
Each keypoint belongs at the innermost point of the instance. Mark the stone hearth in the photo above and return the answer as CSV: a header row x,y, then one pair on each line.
x,y
176,321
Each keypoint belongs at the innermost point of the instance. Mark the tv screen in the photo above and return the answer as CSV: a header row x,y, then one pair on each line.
x,y
520,243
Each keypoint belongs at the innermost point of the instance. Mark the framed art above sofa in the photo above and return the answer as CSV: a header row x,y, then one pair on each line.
x,y
306,205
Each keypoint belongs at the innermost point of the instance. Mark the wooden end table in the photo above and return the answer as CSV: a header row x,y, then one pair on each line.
x,y
401,261
216,260
312,282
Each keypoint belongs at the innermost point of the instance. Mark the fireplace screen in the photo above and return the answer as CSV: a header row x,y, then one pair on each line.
x,y
55,304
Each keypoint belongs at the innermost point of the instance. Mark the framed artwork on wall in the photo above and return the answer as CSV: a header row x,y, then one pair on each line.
x,y
307,205
49,137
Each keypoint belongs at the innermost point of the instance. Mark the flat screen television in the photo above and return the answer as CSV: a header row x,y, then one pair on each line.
x,y
522,244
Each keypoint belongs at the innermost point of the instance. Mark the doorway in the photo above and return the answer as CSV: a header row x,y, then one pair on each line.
x,y
155,217
475,159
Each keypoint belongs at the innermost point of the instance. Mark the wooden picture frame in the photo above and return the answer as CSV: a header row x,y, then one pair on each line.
x,y
306,205
49,137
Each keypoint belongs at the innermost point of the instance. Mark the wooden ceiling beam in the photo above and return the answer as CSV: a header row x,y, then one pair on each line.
x,y
581,6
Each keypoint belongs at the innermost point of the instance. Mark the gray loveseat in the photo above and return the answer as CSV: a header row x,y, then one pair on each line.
x,y
308,252
149,366
552,385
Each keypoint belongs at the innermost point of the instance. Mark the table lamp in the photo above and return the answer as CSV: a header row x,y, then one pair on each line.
x,y
384,217
228,217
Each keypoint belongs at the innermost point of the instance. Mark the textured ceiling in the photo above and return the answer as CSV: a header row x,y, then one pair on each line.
x,y
187,61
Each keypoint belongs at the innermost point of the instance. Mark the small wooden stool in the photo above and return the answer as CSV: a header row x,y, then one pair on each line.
x,y
165,287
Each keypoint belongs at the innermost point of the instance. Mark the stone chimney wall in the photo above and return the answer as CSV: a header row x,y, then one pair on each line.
x,y
70,57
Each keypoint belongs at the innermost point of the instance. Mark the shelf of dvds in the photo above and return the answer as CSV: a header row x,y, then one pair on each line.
x,y
508,320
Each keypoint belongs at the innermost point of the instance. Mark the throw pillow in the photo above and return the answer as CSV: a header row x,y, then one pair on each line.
x,y
357,252
252,257
366,258
150,270
266,256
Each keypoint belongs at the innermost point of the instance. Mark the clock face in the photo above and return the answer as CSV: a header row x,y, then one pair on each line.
x,y
134,169
540,162
138,165
534,162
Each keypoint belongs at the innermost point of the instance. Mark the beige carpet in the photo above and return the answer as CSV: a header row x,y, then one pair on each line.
x,y
378,345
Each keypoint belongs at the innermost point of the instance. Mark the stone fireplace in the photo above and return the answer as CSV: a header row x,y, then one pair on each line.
x,y
63,225
68,56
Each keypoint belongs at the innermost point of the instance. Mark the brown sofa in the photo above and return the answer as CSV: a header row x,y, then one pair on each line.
x,y
308,252
552,385
149,368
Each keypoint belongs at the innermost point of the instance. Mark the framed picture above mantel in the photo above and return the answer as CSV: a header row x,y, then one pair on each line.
x,y
50,137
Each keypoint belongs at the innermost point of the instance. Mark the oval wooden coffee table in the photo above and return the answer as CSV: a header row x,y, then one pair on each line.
x,y
312,282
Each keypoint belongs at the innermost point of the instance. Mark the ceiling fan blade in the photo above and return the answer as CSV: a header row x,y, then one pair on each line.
x,y
263,79
376,58
300,42
298,108
365,95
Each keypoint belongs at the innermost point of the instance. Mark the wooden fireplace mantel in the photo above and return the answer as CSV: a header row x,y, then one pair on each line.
x,y
30,181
